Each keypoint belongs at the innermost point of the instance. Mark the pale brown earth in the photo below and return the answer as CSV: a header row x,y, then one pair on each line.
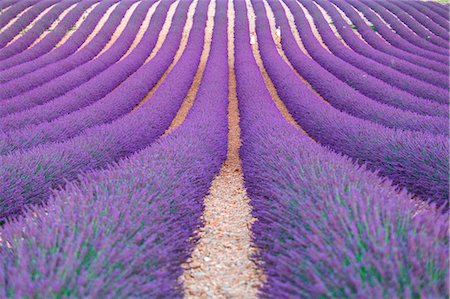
x,y
13,20
183,43
76,26
192,93
142,29
40,16
99,25
221,265
53,25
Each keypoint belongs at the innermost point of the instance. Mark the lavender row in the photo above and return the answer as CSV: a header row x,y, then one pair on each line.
x,y
49,72
354,77
28,177
438,8
411,34
94,89
357,45
63,51
423,19
135,222
381,44
326,227
72,79
394,38
415,160
51,39
434,16
336,92
109,108
28,37
386,74
24,20
7,4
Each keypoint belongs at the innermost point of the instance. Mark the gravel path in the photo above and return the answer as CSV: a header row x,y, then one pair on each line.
x,y
221,265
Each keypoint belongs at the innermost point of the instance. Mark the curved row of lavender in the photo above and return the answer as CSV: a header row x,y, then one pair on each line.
x,y
51,39
28,177
7,4
415,160
409,34
377,70
394,38
438,8
72,79
24,20
339,94
107,109
14,10
381,44
63,51
422,18
362,48
357,79
20,86
97,87
27,38
435,15
326,227
125,231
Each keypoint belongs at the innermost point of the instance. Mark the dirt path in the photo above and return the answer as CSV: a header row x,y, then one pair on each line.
x,y
186,30
221,265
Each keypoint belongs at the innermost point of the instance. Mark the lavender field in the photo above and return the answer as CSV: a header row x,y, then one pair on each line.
x,y
224,149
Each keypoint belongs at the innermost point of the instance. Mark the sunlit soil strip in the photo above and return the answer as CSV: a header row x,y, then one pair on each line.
x,y
77,25
271,19
187,28
120,28
99,26
221,264
40,16
192,93
313,26
13,20
142,29
54,24
268,82
333,26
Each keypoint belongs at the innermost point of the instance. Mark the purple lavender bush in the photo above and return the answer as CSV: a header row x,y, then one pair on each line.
x,y
326,227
